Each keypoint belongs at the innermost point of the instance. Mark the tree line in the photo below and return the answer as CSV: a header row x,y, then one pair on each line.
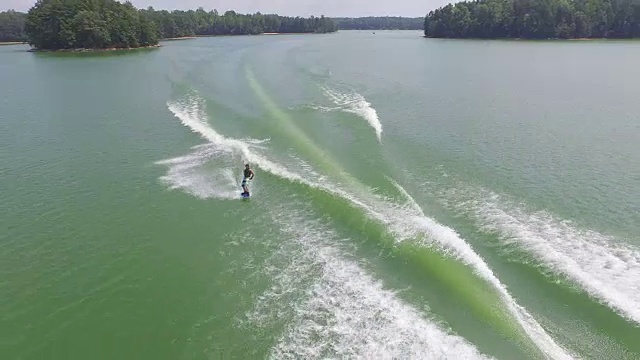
x,y
99,24
536,19
12,26
380,23
200,22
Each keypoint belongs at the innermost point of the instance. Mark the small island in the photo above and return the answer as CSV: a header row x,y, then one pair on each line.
x,y
70,25
74,25
535,19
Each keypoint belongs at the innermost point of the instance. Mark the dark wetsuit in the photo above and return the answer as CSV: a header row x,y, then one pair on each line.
x,y
247,174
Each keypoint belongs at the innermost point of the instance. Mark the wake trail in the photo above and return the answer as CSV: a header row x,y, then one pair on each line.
x,y
187,172
607,269
467,255
404,222
354,103
339,310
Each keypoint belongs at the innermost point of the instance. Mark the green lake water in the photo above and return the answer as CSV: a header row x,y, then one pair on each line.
x,y
414,198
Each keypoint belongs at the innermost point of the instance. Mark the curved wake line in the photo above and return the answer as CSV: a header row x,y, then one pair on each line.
x,y
607,270
192,116
393,216
355,104
344,312
472,259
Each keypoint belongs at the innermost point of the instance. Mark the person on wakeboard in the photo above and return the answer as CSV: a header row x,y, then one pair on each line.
x,y
248,175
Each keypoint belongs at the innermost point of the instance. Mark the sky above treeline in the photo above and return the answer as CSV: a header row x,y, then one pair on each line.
x,y
350,8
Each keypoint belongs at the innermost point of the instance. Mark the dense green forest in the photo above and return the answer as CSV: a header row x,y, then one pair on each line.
x,y
12,26
72,24
536,19
98,24
380,23
200,22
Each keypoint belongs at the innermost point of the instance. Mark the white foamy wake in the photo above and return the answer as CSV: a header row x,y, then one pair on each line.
x,y
607,269
404,221
188,173
356,104
340,311
464,252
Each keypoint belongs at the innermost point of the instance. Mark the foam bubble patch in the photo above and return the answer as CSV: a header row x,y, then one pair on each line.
x,y
350,315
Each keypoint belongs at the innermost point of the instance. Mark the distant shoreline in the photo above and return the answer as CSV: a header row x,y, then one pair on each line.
x,y
12,43
151,46
275,33
531,39
227,35
94,50
179,38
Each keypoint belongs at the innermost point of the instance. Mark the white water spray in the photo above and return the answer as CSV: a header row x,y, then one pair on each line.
x,y
607,269
356,104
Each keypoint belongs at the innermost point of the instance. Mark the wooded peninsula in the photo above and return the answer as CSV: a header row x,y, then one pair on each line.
x,y
536,19
102,24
